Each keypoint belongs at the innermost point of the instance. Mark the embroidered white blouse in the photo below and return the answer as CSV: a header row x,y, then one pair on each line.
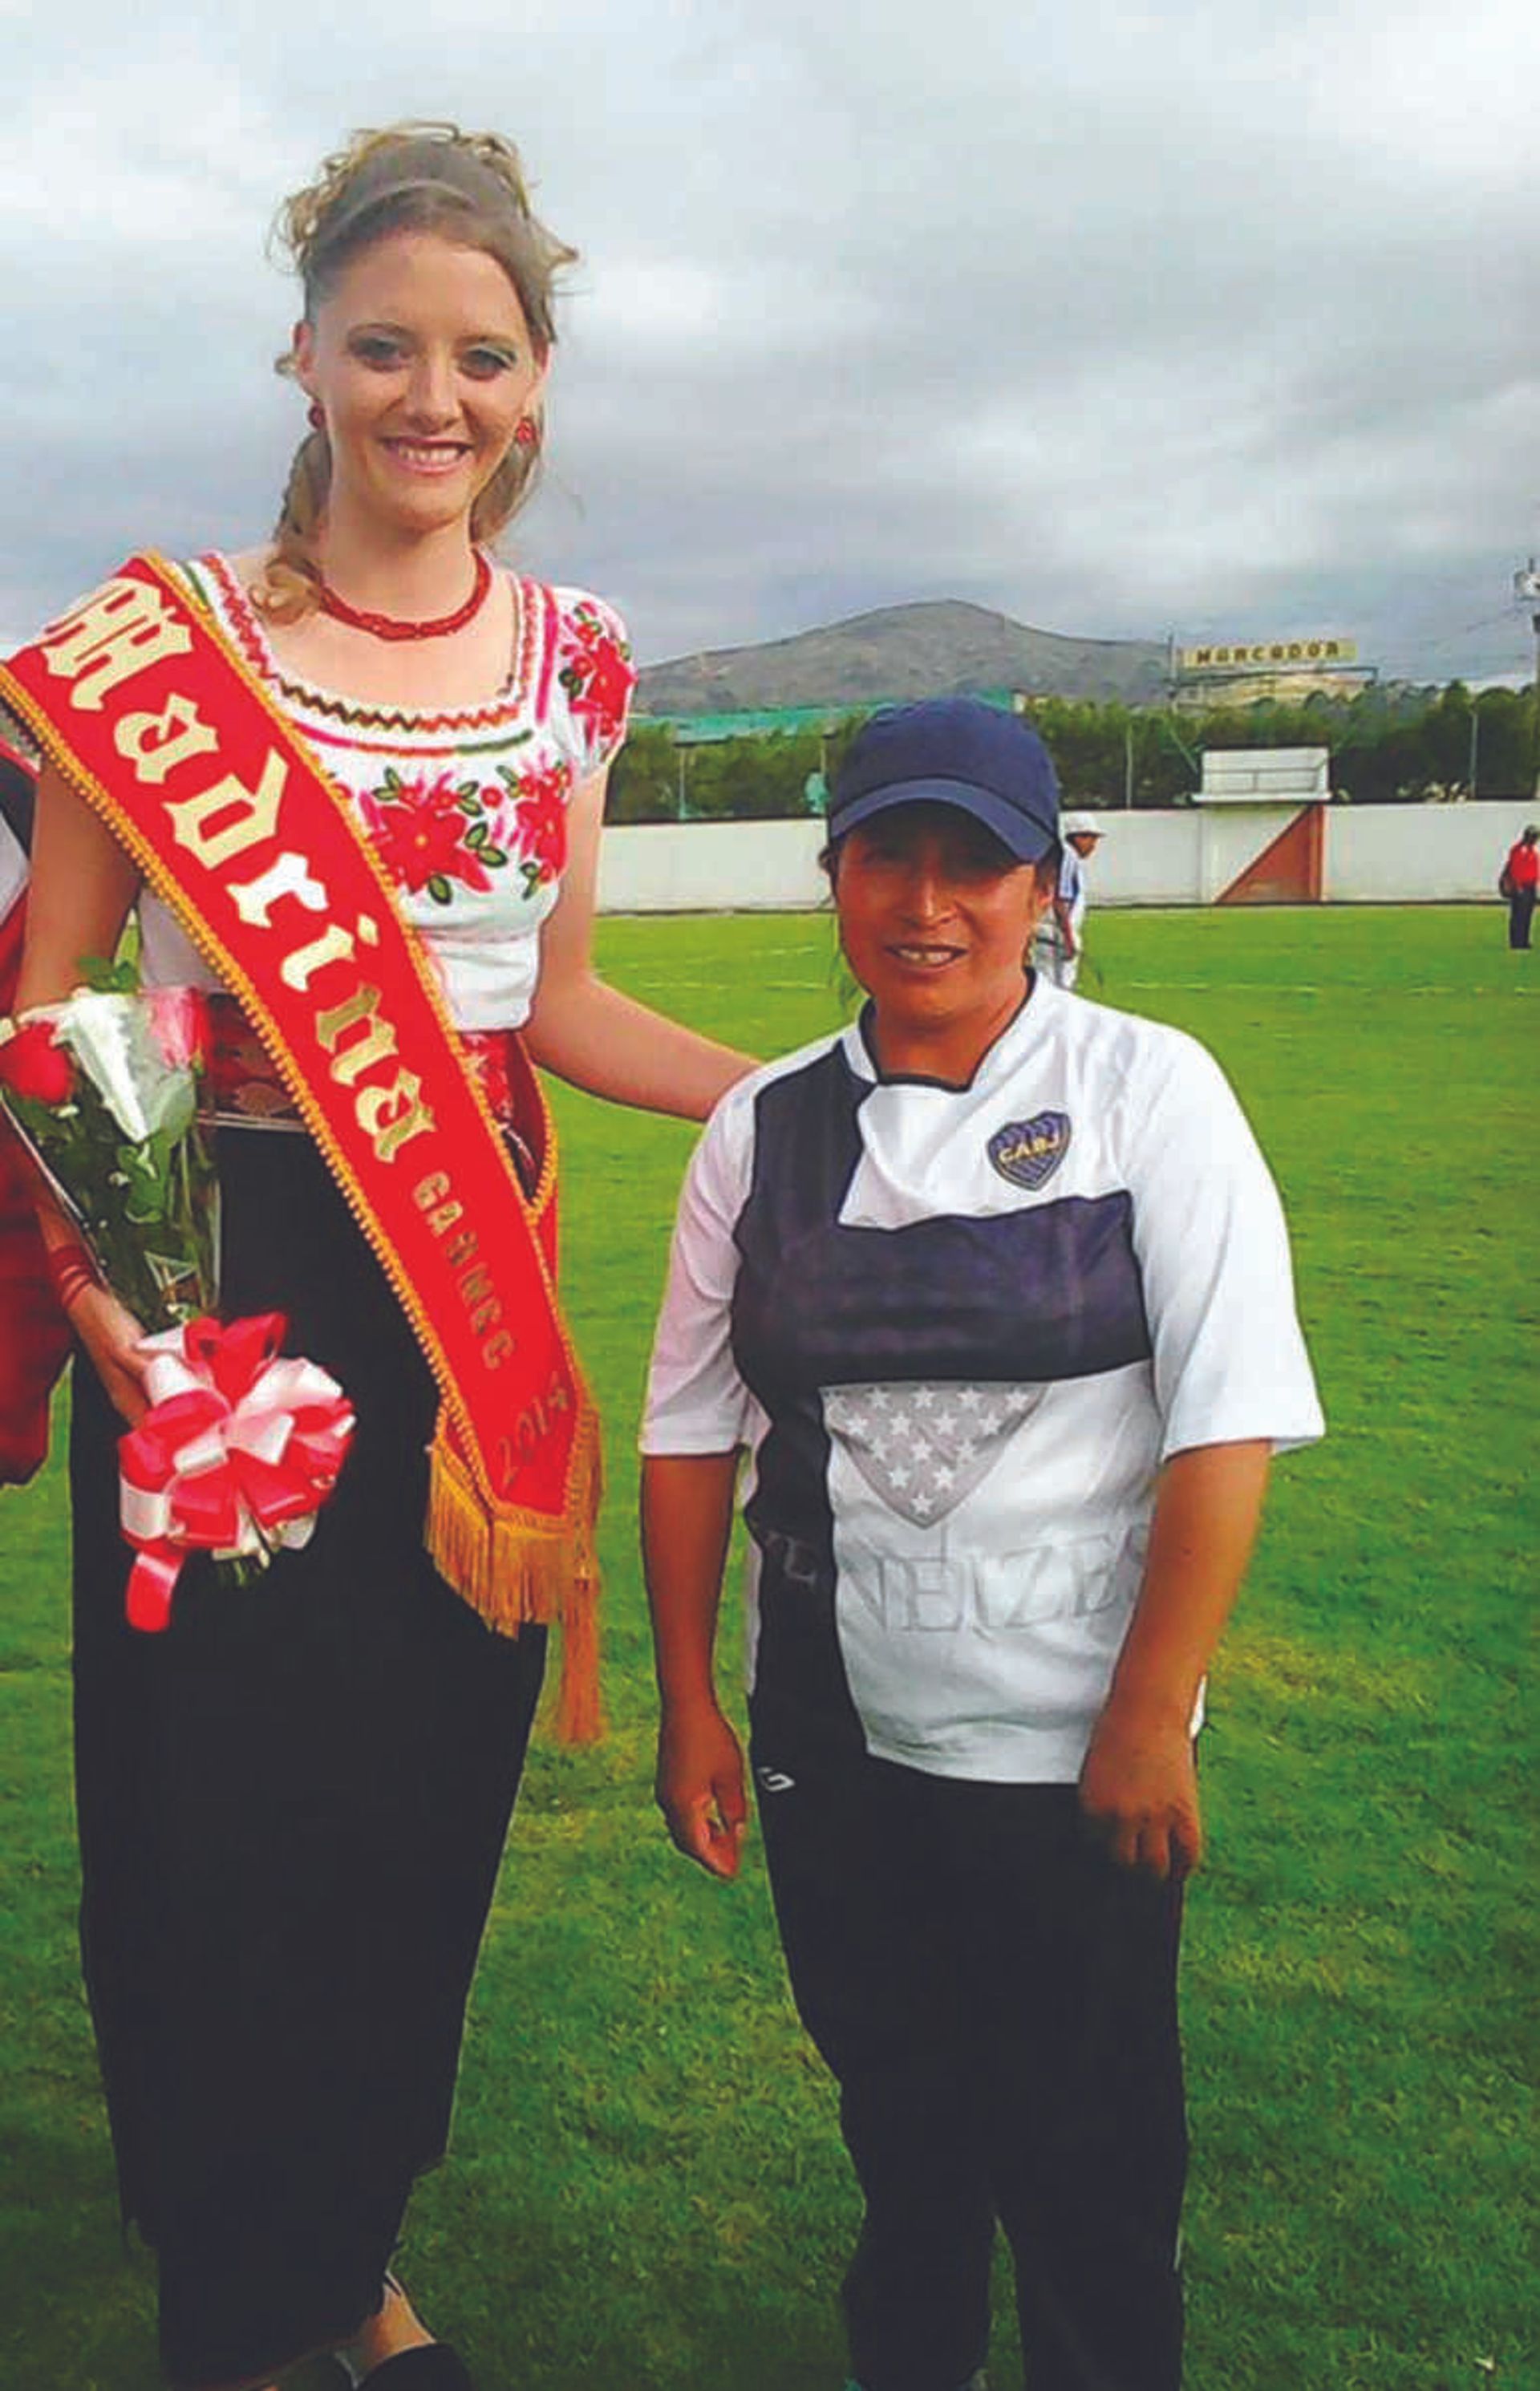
x,y
466,808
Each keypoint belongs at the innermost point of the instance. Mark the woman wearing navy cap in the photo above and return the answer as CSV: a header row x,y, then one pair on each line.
x,y
993,1289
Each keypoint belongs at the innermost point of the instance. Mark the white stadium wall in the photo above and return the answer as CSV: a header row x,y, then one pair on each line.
x,y
1420,854
711,867
1154,859
1370,855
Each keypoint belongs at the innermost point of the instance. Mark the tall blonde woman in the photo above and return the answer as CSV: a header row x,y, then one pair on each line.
x,y
293,1803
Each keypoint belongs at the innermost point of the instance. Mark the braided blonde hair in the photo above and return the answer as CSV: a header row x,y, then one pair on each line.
x,y
427,177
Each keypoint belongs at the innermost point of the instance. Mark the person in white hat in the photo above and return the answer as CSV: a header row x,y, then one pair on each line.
x,y
1057,947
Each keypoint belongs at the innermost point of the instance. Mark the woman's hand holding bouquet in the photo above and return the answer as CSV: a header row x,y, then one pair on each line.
x,y
113,1337
232,1447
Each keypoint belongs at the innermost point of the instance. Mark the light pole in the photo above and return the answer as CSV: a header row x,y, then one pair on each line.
x,y
1526,592
1475,748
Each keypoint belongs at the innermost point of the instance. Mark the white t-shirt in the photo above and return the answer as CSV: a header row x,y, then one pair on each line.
x,y
960,1331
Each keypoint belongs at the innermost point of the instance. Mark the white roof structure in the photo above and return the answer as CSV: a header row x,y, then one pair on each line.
x,y
1265,776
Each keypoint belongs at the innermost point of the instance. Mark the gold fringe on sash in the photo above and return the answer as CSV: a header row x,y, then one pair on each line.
x,y
514,1571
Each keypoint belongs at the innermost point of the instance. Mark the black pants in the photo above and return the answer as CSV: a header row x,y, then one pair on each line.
x,y
997,2000
1521,913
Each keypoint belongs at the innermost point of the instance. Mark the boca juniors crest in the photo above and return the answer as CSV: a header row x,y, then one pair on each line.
x,y
1027,1153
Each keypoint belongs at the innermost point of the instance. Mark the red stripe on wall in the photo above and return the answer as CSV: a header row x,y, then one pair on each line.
x,y
1289,869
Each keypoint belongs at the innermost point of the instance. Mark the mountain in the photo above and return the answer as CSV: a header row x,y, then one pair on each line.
x,y
934,649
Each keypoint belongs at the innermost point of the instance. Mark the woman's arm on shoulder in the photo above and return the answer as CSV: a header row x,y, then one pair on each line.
x,y
595,1036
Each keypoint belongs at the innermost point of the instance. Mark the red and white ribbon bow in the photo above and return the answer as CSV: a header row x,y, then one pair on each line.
x,y
237,1451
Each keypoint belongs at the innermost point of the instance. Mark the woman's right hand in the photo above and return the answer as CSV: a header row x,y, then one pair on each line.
x,y
112,1338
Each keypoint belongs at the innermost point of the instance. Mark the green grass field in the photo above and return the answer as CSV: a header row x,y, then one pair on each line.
x,y
646,2192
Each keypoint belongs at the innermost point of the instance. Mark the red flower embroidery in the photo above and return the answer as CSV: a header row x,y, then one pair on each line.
x,y
33,1065
540,819
598,676
429,833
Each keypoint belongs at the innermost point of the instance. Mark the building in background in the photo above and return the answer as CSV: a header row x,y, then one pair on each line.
x,y
1241,672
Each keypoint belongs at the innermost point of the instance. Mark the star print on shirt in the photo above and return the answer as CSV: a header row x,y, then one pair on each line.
x,y
923,1449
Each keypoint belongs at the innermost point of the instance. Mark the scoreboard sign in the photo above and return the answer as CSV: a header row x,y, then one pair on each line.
x,y
1267,655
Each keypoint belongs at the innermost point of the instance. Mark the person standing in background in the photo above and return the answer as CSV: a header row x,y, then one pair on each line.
x,y
1519,881
1057,946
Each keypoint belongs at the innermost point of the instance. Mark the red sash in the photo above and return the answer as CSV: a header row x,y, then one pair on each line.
x,y
146,710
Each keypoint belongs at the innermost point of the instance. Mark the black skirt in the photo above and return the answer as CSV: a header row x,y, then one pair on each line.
x,y
291,1809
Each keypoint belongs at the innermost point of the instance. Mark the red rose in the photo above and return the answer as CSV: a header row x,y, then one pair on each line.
x,y
33,1064
180,1023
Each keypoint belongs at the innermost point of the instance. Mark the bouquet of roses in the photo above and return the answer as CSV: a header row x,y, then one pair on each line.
x,y
240,1446
103,1090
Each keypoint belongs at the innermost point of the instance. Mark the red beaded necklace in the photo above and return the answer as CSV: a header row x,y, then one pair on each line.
x,y
390,626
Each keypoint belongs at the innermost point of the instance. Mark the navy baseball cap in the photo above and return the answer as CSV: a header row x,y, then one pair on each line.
x,y
952,751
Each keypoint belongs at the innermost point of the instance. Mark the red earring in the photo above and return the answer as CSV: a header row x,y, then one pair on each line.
x,y
318,416
526,432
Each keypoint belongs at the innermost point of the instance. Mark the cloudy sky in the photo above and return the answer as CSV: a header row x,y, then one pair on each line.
x,y
1219,320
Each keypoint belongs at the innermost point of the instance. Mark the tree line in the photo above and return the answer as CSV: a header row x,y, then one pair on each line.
x,y
1389,745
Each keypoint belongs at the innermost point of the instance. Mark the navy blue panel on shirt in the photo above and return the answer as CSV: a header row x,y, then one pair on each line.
x,y
1049,1291
801,1705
